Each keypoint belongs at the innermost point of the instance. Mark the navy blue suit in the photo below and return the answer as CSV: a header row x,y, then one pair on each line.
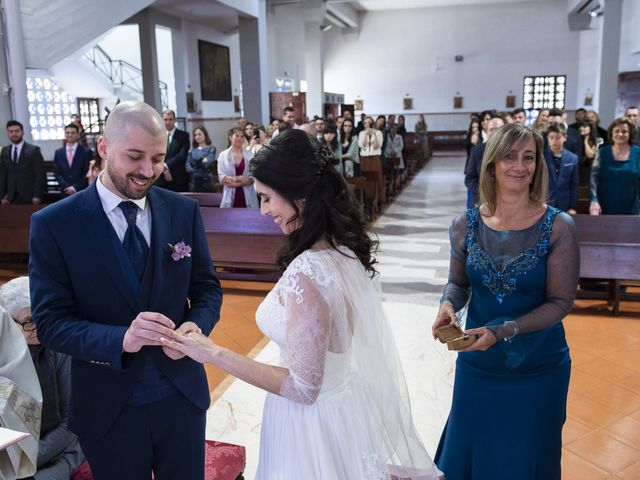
x,y
472,174
563,187
85,295
75,175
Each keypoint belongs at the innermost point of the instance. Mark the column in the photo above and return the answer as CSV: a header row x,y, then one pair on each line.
x,y
148,57
253,65
17,107
314,14
609,61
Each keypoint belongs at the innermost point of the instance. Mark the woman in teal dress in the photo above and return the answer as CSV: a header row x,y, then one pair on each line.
x,y
201,161
514,263
615,173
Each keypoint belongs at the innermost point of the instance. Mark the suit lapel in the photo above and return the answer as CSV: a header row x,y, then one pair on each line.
x,y
101,233
159,250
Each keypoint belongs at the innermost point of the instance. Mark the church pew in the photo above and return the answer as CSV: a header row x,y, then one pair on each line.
x,y
610,251
205,199
239,238
15,221
447,139
243,242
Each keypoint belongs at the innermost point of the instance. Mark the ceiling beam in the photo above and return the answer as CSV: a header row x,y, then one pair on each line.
x,y
344,13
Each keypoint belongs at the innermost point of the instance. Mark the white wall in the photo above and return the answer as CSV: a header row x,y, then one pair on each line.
x,y
630,37
500,44
285,37
164,47
122,43
589,65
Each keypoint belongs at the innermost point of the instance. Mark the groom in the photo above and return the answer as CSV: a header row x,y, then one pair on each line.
x,y
107,282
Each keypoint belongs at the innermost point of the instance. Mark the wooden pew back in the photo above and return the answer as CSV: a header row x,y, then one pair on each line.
x,y
205,199
15,222
609,246
242,238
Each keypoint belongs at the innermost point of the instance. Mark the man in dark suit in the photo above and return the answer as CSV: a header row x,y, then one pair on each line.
x,y
113,269
474,165
174,177
562,165
633,114
71,162
22,173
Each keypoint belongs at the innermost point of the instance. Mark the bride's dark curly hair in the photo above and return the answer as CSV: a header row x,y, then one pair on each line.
x,y
298,168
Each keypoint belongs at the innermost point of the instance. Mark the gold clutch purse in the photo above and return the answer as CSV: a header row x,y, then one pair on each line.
x,y
454,337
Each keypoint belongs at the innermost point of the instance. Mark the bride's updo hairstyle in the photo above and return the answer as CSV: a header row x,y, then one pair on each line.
x,y
298,168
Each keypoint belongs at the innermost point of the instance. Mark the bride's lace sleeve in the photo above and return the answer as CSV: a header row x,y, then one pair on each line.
x,y
456,291
308,334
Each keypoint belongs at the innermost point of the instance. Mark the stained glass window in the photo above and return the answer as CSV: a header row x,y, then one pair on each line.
x,y
50,108
544,91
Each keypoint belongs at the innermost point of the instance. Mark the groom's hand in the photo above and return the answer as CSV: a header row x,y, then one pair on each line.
x,y
146,329
183,329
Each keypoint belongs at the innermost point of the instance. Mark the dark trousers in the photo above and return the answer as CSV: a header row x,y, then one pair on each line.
x,y
165,436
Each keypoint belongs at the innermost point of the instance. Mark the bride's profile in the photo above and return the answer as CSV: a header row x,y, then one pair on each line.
x,y
338,406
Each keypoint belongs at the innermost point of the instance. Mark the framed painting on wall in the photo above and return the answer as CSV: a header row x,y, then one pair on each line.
x,y
215,71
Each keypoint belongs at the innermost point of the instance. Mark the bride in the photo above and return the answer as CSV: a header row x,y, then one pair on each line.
x,y
338,407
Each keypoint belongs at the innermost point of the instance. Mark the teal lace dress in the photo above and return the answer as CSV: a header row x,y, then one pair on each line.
x,y
509,402
615,184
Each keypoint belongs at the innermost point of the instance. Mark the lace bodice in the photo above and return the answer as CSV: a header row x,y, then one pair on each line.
x,y
307,316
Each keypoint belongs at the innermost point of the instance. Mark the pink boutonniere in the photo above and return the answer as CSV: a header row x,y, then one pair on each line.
x,y
179,251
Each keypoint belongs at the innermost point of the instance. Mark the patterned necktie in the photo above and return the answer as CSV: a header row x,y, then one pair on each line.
x,y
134,243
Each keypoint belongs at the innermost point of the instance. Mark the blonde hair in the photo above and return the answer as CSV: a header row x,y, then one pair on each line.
x,y
501,142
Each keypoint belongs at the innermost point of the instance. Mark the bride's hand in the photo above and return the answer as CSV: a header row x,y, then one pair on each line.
x,y
446,315
193,344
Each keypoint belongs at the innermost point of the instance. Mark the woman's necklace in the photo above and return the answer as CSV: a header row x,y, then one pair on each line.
x,y
621,154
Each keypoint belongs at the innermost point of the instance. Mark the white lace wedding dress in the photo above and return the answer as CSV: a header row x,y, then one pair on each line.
x,y
343,411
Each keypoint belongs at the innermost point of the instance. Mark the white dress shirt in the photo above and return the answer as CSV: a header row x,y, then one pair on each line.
x,y
18,147
110,202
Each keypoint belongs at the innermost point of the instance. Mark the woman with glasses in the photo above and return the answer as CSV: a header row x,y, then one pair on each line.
x,y
59,451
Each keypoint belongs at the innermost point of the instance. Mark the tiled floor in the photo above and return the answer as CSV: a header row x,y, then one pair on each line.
x,y
602,431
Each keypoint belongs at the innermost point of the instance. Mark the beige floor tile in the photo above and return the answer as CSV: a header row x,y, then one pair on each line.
x,y
630,473
605,451
591,413
617,398
578,357
631,382
573,430
628,357
605,370
582,383
626,430
577,468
